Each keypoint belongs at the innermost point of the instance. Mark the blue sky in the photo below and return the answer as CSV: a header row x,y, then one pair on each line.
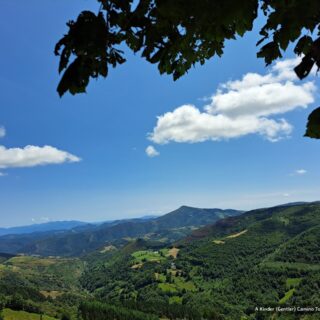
x,y
96,163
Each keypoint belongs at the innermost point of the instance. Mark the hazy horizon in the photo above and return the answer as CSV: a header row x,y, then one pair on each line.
x,y
156,214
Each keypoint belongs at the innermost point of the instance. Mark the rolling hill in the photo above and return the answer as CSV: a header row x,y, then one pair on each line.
x,y
235,268
262,258
78,241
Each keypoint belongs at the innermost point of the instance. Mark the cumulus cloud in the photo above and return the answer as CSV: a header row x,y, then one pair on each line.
x,y
240,107
189,124
152,152
31,156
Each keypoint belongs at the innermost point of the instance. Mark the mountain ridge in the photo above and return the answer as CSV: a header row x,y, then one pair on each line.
x,y
43,227
175,224
264,257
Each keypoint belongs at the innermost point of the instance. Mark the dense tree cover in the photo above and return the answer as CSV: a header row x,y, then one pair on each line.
x,y
100,311
172,226
216,277
176,35
263,258
40,285
303,249
60,308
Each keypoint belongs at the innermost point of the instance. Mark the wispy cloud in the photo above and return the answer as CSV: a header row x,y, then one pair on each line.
x,y
40,220
300,172
152,152
2,132
240,107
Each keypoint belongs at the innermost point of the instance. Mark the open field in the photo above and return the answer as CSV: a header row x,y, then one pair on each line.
x,y
287,296
149,255
175,299
218,241
31,261
153,256
293,282
108,248
175,285
22,315
52,294
173,252
236,234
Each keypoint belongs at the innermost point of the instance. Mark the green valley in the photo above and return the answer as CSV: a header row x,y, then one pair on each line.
x,y
232,269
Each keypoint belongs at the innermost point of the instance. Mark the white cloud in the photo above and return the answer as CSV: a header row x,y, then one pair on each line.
x,y
31,156
189,124
151,152
2,132
239,108
301,171
261,100
2,174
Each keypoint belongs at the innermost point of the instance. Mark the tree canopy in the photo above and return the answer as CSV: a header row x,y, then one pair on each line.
x,y
178,34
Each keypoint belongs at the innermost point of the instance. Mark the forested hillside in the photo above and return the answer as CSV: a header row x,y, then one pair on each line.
x,y
267,258
82,240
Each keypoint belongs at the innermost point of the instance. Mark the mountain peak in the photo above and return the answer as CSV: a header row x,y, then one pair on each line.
x,y
186,207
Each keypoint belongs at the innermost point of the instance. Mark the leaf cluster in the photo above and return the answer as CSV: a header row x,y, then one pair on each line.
x,y
176,35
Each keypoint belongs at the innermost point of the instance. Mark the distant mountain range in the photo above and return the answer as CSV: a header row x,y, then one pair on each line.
x,y
83,238
43,227
62,226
